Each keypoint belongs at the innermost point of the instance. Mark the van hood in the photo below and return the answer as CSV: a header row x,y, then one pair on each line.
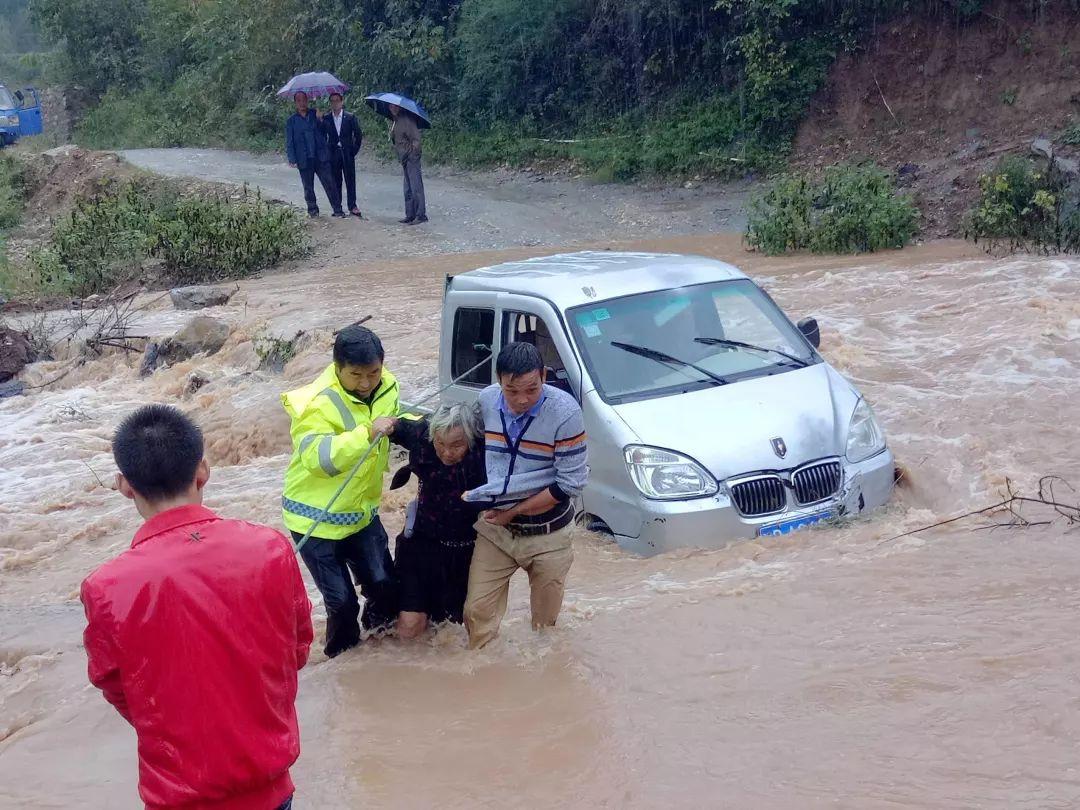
x,y
729,429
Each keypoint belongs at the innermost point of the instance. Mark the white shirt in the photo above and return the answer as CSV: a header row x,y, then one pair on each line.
x,y
337,121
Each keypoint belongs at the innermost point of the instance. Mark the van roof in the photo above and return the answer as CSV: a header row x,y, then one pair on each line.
x,y
570,279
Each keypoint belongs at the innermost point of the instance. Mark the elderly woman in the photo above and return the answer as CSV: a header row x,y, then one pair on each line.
x,y
446,453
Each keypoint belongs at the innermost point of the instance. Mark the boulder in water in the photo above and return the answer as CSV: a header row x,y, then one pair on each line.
x,y
151,359
15,352
195,381
200,297
203,335
11,389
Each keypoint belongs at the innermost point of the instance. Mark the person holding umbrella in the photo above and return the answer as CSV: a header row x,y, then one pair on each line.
x,y
405,135
306,143
409,118
345,136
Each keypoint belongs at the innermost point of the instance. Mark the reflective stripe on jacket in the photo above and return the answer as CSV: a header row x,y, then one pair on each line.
x,y
331,430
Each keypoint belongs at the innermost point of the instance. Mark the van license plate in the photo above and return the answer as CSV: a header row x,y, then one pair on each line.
x,y
789,526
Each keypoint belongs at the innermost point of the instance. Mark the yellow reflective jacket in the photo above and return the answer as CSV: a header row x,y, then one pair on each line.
x,y
330,432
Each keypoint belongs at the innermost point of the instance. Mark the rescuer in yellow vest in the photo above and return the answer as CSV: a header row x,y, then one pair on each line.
x,y
334,421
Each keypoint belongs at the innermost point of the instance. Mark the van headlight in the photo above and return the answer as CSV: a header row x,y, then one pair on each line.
x,y
865,437
665,475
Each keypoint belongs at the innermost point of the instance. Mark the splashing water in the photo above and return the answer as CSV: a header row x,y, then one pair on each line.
x,y
826,668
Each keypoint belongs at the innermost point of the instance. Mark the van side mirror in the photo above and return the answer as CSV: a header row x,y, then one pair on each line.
x,y
811,331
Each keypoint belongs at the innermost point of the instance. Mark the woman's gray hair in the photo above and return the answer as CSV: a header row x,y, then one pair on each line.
x,y
456,415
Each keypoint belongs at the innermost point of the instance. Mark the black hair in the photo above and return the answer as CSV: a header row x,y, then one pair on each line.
x,y
357,346
331,96
158,450
299,93
518,358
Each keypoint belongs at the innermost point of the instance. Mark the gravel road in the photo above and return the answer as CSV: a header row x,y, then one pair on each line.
x,y
470,211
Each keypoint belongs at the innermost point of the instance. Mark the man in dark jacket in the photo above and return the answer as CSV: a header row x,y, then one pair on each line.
x,y
308,150
344,135
405,136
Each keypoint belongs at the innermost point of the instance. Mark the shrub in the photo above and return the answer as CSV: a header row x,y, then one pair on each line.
x,y
1071,135
1023,207
108,238
12,192
100,244
850,209
683,137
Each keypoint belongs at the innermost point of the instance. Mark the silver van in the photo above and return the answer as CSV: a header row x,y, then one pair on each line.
x,y
710,416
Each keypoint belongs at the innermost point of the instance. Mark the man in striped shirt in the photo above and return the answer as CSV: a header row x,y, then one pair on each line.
x,y
536,463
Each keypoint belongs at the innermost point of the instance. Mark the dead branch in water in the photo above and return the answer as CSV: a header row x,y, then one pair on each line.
x,y
74,365
1011,507
96,476
360,322
107,324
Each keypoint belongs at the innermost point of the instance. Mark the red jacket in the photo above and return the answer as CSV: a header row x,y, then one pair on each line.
x,y
195,634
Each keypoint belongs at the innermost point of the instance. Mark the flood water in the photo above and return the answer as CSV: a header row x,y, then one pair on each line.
x,y
832,668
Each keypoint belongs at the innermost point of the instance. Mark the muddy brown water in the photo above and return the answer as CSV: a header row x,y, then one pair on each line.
x,y
832,668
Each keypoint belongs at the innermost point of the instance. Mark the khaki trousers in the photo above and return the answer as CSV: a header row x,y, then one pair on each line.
x,y
497,556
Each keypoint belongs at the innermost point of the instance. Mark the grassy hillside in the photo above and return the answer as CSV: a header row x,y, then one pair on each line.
x,y
623,87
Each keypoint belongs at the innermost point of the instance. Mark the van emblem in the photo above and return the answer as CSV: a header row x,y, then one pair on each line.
x,y
779,447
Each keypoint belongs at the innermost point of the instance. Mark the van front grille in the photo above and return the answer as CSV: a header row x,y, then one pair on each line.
x,y
817,483
759,496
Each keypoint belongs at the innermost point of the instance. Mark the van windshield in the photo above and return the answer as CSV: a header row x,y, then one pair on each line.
x,y
672,341
6,101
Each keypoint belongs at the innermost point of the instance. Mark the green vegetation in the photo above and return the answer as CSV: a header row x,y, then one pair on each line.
x,y
21,59
1023,207
176,117
686,138
112,236
276,352
12,201
12,192
850,209
1071,135
680,87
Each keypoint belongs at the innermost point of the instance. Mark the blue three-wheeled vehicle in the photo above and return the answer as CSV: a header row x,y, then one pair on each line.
x,y
20,114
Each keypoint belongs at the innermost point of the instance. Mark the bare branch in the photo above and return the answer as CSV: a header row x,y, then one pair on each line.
x,y
1012,505
96,477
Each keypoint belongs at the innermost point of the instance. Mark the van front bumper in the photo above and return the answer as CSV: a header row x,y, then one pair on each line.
x,y
715,522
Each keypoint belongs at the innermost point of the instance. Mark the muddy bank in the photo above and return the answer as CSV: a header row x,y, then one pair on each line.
x,y
946,100
831,668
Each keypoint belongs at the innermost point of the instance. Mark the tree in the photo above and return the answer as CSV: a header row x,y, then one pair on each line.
x,y
100,38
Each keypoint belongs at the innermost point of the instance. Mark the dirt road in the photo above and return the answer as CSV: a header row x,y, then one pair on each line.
x,y
470,211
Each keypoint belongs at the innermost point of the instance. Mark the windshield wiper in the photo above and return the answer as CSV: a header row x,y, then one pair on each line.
x,y
737,344
667,359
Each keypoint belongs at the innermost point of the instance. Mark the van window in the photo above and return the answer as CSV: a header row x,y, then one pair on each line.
x,y
529,328
624,341
474,333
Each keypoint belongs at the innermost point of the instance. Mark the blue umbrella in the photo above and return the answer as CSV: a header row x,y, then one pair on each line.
x,y
315,85
380,102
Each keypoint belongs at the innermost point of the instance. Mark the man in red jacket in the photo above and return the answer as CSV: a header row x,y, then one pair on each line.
x,y
195,634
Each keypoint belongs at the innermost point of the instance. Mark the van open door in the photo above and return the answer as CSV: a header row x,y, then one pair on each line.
x,y
30,122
